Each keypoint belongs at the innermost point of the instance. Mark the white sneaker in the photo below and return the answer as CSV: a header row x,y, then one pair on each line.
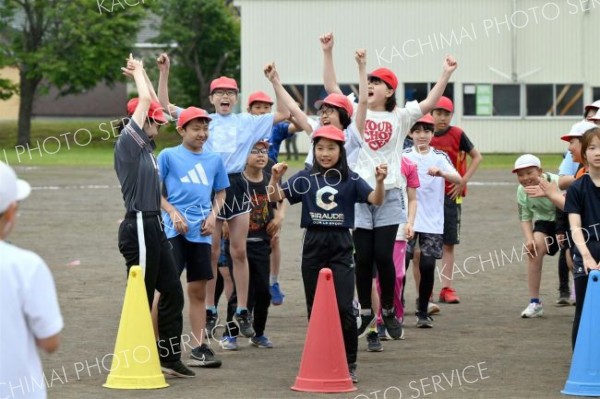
x,y
533,310
432,308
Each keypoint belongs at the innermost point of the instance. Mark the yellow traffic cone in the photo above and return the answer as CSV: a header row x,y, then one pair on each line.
x,y
135,362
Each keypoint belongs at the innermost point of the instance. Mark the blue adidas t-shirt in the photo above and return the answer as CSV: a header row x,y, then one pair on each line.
x,y
234,135
189,179
326,199
278,134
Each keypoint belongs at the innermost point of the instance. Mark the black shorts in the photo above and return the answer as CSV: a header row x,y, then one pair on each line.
x,y
237,197
430,244
193,256
549,229
452,212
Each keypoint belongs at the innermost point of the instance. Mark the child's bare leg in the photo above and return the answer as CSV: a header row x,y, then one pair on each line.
x,y
215,252
197,308
535,265
227,281
238,232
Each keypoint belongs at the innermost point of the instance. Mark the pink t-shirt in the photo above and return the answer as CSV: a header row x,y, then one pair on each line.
x,y
409,171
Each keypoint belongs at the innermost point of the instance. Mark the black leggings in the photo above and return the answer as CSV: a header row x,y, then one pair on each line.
x,y
580,289
375,246
427,269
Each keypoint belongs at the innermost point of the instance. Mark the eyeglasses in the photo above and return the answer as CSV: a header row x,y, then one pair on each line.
x,y
221,93
255,151
325,111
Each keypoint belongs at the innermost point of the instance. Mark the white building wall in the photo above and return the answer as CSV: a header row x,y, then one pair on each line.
x,y
539,41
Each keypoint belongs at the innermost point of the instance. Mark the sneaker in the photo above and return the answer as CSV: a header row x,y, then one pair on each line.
x,y
203,356
229,343
382,332
448,295
373,343
212,319
533,310
276,295
176,369
424,321
261,342
244,322
432,308
563,300
392,325
366,322
352,370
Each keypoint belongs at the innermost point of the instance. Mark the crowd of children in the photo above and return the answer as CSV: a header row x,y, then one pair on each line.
x,y
383,185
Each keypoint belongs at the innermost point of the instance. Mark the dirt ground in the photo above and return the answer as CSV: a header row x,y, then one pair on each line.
x,y
479,348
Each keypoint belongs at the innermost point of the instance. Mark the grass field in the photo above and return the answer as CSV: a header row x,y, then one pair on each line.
x,y
89,142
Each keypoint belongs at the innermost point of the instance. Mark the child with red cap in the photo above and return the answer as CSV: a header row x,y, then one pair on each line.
x,y
190,176
429,222
328,193
454,142
142,240
385,128
259,103
232,137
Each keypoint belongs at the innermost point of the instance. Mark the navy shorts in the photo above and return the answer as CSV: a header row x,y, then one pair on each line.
x,y
452,212
549,229
192,256
237,197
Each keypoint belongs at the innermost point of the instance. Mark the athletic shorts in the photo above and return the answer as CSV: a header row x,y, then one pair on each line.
x,y
368,216
549,229
237,197
430,244
452,212
192,256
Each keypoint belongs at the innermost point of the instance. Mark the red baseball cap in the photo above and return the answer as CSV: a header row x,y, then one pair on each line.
x,y
191,113
340,101
329,132
223,83
259,96
387,76
427,118
444,103
154,112
263,143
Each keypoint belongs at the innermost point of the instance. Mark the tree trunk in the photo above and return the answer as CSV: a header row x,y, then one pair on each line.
x,y
28,88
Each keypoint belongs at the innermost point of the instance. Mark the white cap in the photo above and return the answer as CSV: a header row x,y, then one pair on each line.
x,y
525,161
595,104
595,117
578,129
11,188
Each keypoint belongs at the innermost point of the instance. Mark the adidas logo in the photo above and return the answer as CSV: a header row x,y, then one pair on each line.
x,y
196,176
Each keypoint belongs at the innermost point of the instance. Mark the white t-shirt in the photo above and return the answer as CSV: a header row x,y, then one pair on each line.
x,y
28,310
430,194
383,140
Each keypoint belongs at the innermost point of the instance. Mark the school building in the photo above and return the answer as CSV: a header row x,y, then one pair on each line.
x,y
526,67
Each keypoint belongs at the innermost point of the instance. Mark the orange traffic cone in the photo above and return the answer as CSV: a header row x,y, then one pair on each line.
x,y
323,367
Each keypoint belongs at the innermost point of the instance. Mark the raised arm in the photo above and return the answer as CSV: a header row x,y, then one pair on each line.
x,y
361,112
274,191
377,196
329,79
135,70
437,91
283,97
164,64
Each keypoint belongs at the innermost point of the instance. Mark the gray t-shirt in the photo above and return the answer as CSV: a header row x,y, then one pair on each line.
x,y
137,169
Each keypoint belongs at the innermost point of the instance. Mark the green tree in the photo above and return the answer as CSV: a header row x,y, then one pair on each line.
x,y
207,34
71,45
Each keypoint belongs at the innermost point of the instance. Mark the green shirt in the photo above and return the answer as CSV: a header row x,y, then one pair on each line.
x,y
533,209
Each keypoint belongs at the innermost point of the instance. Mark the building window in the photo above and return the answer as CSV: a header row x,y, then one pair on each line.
x,y
419,91
491,100
595,93
554,100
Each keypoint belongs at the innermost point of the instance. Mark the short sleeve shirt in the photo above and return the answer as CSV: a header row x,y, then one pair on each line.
x,y
279,132
189,178
532,209
262,209
326,199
